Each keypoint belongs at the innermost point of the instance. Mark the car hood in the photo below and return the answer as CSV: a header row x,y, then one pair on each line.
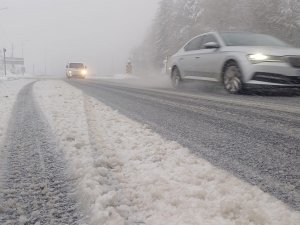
x,y
276,51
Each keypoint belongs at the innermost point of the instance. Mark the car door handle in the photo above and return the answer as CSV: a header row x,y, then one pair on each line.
x,y
197,57
181,59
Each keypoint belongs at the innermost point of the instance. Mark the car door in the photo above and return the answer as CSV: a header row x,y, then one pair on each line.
x,y
187,62
209,60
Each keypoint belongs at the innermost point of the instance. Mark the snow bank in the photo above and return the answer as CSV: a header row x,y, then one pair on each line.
x,y
127,174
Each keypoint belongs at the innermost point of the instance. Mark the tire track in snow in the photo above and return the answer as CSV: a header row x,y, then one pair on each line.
x,y
37,189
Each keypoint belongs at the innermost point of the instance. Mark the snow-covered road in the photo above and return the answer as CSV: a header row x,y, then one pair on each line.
x,y
128,174
125,173
255,138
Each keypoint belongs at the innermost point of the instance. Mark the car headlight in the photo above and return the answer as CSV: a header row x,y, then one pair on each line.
x,y
259,58
70,72
83,72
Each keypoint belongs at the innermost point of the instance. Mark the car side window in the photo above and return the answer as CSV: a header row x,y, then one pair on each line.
x,y
194,44
209,38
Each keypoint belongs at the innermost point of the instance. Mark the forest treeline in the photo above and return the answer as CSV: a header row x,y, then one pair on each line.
x,y
177,21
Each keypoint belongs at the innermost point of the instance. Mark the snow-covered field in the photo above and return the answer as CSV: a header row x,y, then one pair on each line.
x,y
127,174
11,76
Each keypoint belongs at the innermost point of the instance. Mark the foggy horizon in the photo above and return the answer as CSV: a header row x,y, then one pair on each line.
x,y
99,33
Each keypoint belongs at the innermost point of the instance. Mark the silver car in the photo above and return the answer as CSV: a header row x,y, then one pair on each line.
x,y
76,70
237,60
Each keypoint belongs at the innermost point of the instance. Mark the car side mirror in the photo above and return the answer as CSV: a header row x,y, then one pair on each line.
x,y
211,45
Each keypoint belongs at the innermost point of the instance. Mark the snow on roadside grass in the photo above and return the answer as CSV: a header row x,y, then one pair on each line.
x,y
127,174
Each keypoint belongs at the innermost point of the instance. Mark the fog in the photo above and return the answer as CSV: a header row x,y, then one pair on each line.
x,y
50,33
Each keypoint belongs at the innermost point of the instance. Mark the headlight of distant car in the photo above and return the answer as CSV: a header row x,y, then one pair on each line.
x,y
83,72
259,58
70,72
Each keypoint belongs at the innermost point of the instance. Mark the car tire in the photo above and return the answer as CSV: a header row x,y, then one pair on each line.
x,y
232,78
176,78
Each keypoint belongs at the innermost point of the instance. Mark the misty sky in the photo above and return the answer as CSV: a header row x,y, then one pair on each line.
x,y
98,32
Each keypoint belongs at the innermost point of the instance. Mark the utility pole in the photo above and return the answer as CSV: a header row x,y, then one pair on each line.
x,y
12,55
12,49
4,54
45,58
4,50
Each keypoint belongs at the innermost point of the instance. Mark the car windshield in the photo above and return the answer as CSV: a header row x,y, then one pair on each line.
x,y
249,39
76,65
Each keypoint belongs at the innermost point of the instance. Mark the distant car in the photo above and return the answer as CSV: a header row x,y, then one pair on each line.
x,y
76,70
237,60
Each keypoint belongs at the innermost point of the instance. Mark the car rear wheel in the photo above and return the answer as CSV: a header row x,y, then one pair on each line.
x,y
176,78
232,78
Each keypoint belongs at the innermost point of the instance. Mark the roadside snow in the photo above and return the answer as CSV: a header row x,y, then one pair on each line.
x,y
127,174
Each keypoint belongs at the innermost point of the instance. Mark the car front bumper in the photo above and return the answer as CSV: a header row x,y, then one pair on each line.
x,y
76,75
272,74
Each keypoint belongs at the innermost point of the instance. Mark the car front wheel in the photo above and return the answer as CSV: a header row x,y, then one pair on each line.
x,y
232,78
